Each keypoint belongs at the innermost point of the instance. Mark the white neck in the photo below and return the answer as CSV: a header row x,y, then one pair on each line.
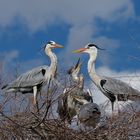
x,y
91,70
79,80
75,77
82,101
53,59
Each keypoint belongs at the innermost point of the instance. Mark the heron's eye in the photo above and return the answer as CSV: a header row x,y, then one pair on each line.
x,y
51,42
96,109
93,111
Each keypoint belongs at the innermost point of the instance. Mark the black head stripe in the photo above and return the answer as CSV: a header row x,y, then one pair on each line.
x,y
93,45
44,47
49,42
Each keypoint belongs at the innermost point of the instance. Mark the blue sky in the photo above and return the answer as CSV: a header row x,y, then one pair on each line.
x,y
25,26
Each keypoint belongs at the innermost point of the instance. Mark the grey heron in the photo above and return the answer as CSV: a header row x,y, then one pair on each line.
x,y
112,88
33,80
89,115
73,97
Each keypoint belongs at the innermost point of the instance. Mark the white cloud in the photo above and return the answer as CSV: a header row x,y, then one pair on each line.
x,y
38,14
30,64
77,37
81,15
133,79
8,60
8,57
84,29
11,67
109,44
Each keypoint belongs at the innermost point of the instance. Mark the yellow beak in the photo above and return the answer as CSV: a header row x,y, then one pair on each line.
x,y
79,50
57,46
79,66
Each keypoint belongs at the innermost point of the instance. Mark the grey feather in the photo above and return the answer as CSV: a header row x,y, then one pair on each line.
x,y
65,111
29,79
89,114
68,106
121,89
72,98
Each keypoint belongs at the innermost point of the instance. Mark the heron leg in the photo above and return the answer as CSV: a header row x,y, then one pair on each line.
x,y
115,111
35,94
49,82
78,120
112,105
40,94
48,90
35,97
118,109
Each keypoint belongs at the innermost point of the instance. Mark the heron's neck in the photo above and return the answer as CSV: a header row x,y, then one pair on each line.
x,y
91,70
75,77
53,59
79,80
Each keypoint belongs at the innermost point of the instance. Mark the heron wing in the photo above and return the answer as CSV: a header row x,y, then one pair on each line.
x,y
117,87
30,78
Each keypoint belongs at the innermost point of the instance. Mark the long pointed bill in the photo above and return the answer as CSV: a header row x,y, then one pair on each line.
x,y
79,50
57,46
78,65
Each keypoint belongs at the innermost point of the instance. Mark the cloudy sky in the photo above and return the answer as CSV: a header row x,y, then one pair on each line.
x,y
25,26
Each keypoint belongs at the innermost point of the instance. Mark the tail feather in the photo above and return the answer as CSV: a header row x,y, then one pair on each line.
x,y
5,86
7,89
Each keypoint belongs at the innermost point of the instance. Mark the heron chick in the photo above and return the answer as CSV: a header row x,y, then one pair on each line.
x,y
72,98
89,115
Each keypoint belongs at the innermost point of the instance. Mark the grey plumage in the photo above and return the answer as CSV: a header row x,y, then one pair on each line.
x,y
33,80
112,88
89,115
66,107
70,101
117,90
25,82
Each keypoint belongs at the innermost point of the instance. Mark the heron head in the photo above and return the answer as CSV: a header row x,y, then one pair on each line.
x,y
96,110
75,69
52,44
89,48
